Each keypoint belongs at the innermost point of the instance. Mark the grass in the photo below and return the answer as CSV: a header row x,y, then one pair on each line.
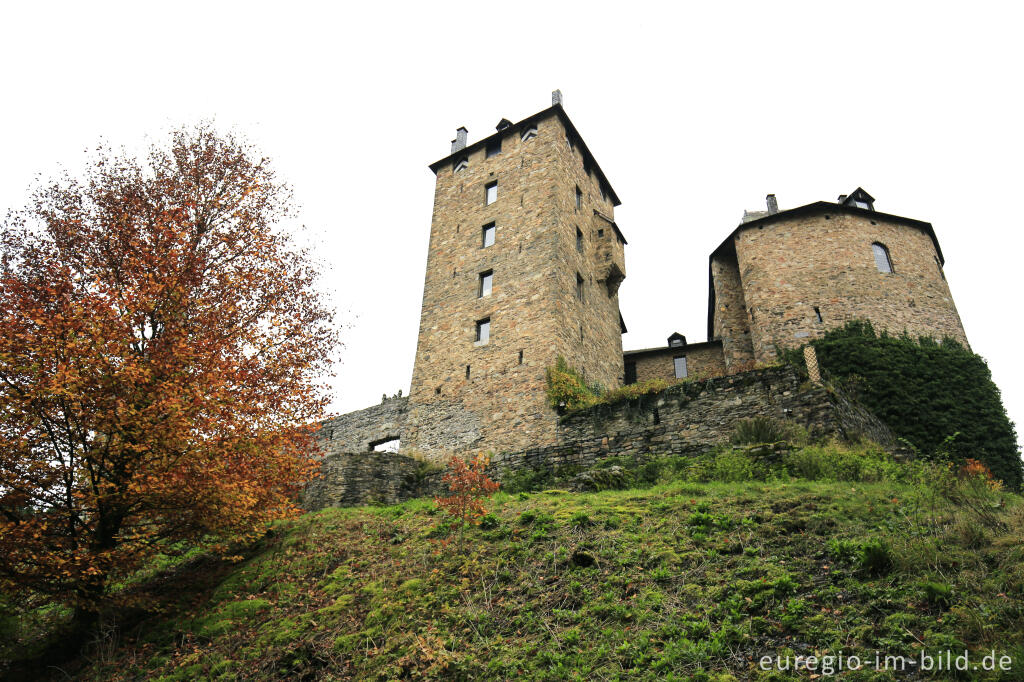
x,y
691,578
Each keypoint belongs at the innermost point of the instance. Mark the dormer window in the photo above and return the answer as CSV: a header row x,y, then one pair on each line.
x,y
461,165
677,340
528,133
858,199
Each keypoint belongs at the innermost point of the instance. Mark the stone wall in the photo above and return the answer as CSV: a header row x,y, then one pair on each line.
x,y
355,478
731,322
359,431
794,268
467,392
685,419
704,360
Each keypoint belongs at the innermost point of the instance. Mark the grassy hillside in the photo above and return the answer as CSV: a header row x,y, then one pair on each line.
x,y
693,578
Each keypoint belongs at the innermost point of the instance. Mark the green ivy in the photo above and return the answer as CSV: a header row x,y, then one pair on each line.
x,y
926,391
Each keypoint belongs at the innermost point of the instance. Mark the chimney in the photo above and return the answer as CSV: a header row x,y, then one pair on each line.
x,y
459,143
556,97
773,205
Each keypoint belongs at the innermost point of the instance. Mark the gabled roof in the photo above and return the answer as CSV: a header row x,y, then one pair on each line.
x,y
554,110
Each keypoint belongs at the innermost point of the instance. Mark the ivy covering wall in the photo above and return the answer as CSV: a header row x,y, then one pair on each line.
x,y
926,391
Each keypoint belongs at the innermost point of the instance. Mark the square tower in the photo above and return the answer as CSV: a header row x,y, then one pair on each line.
x,y
524,265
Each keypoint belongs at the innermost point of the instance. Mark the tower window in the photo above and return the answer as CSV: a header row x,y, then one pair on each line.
x,y
467,371
490,193
882,260
529,133
494,147
679,365
579,198
486,280
488,235
483,332
460,165
579,286
520,357
579,240
817,314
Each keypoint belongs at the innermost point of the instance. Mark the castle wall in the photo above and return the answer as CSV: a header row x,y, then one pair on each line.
x,y
731,321
358,431
685,419
704,360
792,266
468,395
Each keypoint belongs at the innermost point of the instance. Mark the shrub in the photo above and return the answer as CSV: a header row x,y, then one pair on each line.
x,y
937,594
763,430
875,557
567,388
468,485
924,391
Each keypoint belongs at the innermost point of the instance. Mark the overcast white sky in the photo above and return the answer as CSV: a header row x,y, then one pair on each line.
x,y
695,111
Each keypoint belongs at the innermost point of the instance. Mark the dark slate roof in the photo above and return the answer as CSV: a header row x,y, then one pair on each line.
x,y
554,110
817,207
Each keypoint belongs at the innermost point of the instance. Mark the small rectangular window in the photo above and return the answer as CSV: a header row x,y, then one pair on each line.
x,y
579,198
579,286
494,147
483,330
490,193
679,365
488,234
579,240
486,280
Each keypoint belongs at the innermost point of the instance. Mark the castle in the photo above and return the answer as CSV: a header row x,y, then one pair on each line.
x,y
525,263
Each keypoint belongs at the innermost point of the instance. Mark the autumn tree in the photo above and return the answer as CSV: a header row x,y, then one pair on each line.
x,y
161,348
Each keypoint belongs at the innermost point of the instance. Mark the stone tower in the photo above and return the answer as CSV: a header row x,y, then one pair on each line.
x,y
524,265
783,278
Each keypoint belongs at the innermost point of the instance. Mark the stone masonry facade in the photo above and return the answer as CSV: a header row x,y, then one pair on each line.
x,y
524,265
522,241
687,419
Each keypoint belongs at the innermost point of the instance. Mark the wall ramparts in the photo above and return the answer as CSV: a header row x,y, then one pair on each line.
x,y
685,419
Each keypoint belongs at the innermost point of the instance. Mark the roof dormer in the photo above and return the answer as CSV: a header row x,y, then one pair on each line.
x,y
858,199
677,340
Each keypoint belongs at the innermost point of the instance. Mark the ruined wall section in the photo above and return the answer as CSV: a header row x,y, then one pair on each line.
x,y
359,431
825,261
686,419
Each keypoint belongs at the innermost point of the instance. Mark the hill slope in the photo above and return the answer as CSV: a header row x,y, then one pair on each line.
x,y
680,581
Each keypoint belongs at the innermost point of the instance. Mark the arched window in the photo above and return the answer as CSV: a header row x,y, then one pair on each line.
x,y
882,260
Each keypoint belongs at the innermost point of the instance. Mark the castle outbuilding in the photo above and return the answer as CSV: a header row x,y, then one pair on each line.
x,y
525,263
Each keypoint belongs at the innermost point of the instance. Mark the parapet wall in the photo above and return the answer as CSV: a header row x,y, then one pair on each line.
x,y
685,419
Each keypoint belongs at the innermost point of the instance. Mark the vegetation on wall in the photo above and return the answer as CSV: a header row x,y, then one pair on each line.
x,y
568,390
939,397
